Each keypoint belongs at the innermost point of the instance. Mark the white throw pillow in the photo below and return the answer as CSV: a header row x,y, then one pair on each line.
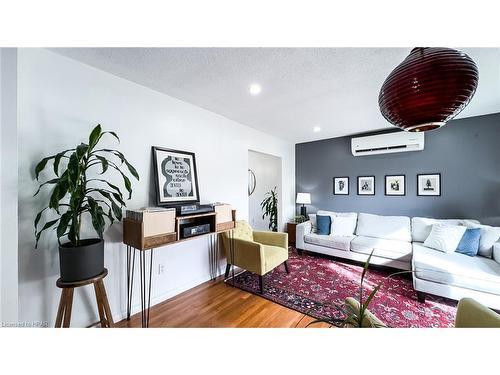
x,y
444,237
489,235
342,226
312,218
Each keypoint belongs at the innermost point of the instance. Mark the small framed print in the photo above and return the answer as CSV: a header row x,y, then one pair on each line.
x,y
366,185
429,184
395,185
341,186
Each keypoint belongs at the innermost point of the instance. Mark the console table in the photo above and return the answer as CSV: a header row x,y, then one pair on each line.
x,y
133,237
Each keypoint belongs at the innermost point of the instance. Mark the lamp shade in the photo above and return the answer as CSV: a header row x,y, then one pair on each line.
x,y
428,89
303,198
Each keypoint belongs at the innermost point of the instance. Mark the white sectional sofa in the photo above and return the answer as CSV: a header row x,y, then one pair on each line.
x,y
397,241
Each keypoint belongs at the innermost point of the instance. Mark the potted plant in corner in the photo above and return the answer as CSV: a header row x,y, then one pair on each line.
x,y
77,192
270,208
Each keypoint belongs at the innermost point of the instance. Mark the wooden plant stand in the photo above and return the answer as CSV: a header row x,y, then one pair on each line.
x,y
66,302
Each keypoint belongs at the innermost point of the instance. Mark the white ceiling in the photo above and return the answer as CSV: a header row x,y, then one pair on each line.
x,y
334,88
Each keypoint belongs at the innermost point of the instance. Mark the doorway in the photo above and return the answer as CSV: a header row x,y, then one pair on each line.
x,y
264,173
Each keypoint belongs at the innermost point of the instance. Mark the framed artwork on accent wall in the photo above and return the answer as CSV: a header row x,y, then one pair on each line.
x,y
395,185
341,186
176,178
429,184
366,185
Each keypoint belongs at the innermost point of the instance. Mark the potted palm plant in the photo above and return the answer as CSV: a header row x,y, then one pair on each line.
x,y
78,191
270,208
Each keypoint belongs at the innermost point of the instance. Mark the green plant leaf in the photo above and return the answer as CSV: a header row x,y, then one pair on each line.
x,y
38,217
370,297
53,181
81,150
41,165
73,171
365,268
116,210
63,223
54,198
104,163
94,137
58,158
127,184
46,226
114,187
96,215
119,199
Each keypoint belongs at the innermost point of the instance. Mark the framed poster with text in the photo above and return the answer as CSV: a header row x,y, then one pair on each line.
x,y
175,176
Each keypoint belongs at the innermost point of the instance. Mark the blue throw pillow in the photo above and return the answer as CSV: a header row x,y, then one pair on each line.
x,y
323,224
469,244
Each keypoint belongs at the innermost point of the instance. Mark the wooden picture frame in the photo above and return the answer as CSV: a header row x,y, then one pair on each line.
x,y
176,176
395,185
366,185
341,185
429,184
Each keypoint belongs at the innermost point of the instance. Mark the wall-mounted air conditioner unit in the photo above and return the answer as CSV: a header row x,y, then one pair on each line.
x,y
387,143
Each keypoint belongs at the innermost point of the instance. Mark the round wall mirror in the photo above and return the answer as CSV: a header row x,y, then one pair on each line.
x,y
252,182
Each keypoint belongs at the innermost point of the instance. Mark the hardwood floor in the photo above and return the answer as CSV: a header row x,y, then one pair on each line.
x,y
217,305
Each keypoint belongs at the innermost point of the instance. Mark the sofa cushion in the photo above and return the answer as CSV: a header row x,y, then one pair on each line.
x,y
445,237
342,226
332,214
421,226
390,249
273,257
323,223
469,244
312,218
385,227
489,235
476,273
334,242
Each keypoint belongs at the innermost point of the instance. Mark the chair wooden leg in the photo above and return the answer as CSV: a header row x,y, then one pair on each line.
x,y
69,306
261,282
286,266
228,268
100,306
60,310
105,303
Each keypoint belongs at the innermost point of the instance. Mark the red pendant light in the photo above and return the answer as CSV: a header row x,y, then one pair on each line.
x,y
428,89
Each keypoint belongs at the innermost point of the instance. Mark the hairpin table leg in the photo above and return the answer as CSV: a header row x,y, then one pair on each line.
x,y
130,277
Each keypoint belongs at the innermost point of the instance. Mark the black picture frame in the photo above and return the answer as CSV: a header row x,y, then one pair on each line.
x,y
358,189
161,200
404,185
435,174
347,184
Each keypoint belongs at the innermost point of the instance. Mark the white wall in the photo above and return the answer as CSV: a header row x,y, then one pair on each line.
x,y
59,101
267,170
1,215
8,191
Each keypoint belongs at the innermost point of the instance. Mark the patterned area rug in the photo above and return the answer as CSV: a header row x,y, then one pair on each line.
x,y
315,283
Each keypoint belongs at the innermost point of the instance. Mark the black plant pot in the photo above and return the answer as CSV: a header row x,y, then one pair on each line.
x,y
81,262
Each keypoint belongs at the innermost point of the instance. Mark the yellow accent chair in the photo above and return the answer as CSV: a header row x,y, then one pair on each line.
x,y
256,251
471,314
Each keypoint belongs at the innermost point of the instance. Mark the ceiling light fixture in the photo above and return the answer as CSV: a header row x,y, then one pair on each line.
x,y
316,129
255,89
429,88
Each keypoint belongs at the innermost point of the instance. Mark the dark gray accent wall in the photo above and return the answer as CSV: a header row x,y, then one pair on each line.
x,y
466,152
